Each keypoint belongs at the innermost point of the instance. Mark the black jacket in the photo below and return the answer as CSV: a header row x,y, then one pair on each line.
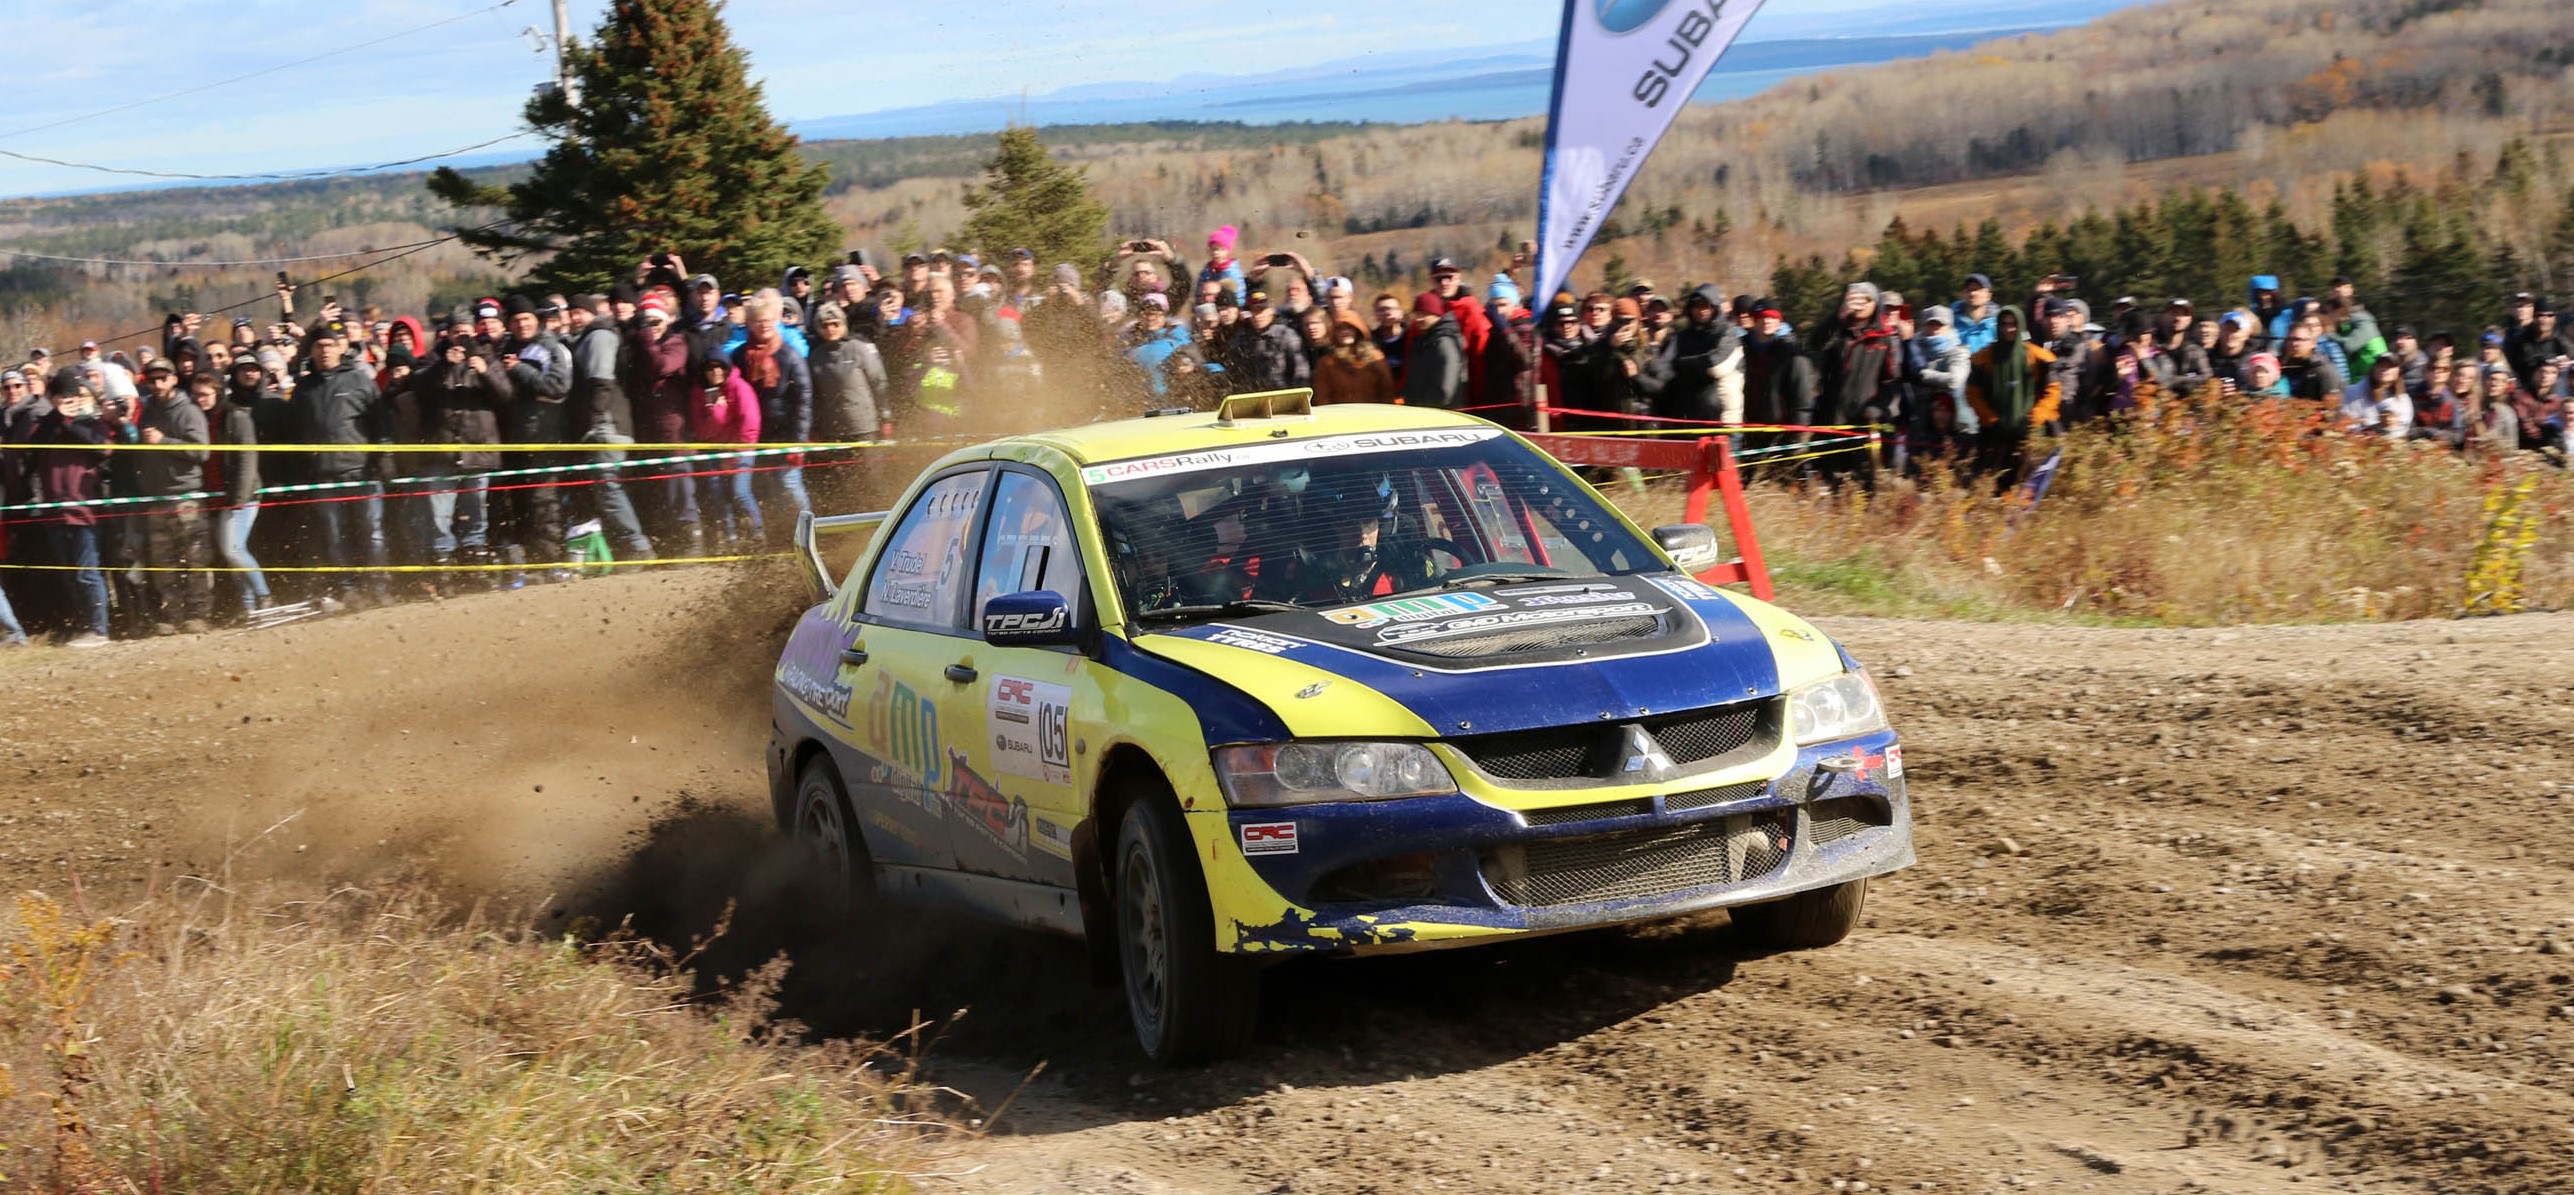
x,y
340,407
1437,376
1691,356
458,404
535,411
236,423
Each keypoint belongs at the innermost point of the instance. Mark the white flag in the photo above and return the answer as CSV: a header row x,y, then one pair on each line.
x,y
1622,71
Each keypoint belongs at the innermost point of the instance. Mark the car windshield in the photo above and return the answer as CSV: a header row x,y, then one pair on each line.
x,y
1332,520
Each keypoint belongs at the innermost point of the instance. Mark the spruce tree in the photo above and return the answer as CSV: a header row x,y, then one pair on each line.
x,y
1030,201
671,148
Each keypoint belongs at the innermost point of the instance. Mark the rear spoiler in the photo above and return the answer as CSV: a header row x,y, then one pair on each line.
x,y
807,557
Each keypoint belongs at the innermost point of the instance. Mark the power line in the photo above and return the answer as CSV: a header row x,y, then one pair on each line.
x,y
263,261
356,269
284,176
283,66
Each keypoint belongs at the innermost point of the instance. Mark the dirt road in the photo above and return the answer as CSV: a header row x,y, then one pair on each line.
x,y
2260,909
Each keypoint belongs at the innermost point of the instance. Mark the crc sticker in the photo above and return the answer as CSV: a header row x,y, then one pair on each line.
x,y
1051,837
1412,609
1249,640
1416,633
1685,588
1027,722
1895,762
1269,838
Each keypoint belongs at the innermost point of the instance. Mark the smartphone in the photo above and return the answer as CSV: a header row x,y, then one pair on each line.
x,y
1280,259
661,259
281,279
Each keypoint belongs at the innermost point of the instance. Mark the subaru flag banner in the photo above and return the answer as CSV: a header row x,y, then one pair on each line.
x,y
1623,69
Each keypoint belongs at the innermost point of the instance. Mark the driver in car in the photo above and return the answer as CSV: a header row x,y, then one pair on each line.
x,y
1342,540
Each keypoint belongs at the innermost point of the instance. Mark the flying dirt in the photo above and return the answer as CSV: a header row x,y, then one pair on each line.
x,y
2233,910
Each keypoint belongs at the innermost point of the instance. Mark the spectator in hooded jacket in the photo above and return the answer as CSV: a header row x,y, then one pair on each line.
x,y
1435,375
1351,370
175,536
1702,359
1936,364
235,421
1474,328
1270,352
2013,392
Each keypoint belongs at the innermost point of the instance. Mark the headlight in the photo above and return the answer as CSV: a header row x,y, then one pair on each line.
x,y
1269,774
1838,708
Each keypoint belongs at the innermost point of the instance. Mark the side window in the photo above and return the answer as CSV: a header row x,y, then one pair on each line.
x,y
1029,545
922,572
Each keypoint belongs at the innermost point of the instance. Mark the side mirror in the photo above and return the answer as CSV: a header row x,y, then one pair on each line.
x,y
1037,618
1692,546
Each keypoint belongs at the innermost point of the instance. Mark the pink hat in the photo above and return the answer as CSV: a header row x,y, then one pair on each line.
x,y
2258,358
1224,237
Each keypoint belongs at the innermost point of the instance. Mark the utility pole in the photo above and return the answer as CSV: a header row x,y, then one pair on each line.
x,y
563,79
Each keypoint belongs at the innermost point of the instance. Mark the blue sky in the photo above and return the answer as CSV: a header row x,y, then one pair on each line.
x,y
463,81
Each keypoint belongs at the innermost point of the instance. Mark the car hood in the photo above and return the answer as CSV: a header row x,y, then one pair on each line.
x,y
1508,658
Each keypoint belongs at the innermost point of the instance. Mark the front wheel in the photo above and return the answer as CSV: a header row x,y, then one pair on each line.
x,y
1189,1002
1807,920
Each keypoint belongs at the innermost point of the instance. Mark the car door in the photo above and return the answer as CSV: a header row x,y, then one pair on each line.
x,y
904,719
1017,801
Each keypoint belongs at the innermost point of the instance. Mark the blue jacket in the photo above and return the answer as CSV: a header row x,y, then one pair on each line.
x,y
1975,333
1152,353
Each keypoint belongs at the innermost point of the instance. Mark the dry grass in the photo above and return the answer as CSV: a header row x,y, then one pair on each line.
x,y
2201,516
381,1043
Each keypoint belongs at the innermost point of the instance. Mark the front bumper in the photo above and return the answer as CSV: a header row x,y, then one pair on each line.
x,y
1450,870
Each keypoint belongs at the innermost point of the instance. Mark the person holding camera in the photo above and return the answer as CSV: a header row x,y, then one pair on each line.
x,y
175,535
336,403
70,421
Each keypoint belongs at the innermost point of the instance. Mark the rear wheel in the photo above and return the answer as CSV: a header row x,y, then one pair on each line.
x,y
1189,1002
1806,920
824,825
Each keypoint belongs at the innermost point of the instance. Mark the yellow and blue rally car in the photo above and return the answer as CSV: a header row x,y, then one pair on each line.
x,y
1201,689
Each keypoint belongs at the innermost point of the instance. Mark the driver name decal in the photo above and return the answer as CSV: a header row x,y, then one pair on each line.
x,y
1288,450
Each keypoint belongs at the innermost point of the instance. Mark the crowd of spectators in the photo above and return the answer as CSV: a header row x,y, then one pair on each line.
x,y
171,540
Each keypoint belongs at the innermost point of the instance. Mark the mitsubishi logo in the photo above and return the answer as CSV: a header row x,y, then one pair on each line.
x,y
1639,753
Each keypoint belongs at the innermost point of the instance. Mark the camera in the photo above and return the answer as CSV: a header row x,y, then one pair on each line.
x,y
662,260
1140,246
1280,259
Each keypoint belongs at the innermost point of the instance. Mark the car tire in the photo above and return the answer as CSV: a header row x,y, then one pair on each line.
x,y
824,825
1807,920
1189,1002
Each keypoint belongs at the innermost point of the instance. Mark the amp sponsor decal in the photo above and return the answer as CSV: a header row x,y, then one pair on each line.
x,y
1028,723
1269,838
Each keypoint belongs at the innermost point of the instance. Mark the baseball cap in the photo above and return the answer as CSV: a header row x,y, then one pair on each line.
x,y
968,260
1979,282
588,300
2183,304
1641,286
704,282
829,313
2520,297
844,272
915,259
1938,314
487,309
1445,265
1023,253
1256,298
2258,358
88,344
1158,301
2123,301
2265,282
2492,338
160,365
241,321
1561,312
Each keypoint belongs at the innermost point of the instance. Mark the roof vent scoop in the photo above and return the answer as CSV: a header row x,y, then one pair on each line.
x,y
1268,404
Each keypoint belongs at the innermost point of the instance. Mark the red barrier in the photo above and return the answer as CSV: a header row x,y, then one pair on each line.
x,y
1709,462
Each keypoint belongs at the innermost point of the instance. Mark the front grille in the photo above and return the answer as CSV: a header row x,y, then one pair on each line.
x,y
1836,818
1642,863
1677,802
1564,814
1540,638
1571,752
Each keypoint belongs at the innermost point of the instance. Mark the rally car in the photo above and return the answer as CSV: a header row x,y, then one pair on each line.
x,y
1203,689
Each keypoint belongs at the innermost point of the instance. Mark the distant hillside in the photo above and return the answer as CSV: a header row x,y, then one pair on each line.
x,y
2278,100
